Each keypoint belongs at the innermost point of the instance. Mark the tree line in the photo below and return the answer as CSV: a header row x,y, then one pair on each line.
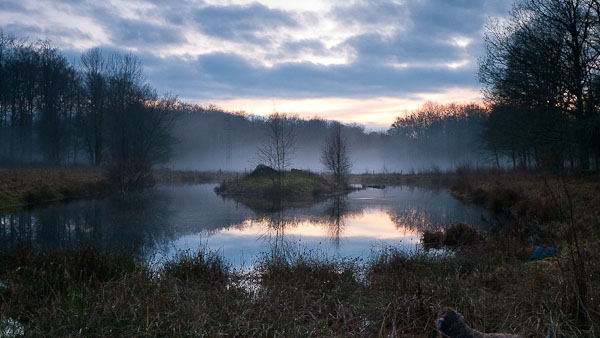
x,y
99,110
542,75
443,136
450,134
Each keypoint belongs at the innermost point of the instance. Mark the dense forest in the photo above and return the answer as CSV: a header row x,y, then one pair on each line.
x,y
99,112
542,76
435,136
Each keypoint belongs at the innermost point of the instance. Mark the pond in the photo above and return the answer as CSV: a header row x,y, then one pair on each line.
x,y
160,222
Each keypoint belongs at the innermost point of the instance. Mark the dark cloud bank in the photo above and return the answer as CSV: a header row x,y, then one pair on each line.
x,y
421,41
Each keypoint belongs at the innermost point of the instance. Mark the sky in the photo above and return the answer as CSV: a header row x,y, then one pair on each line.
x,y
353,61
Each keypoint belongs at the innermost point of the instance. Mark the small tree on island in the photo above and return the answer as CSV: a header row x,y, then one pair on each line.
x,y
335,154
279,146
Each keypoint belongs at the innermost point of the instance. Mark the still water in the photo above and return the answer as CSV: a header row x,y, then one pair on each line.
x,y
158,223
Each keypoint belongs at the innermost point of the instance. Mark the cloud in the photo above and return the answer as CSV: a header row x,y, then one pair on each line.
x,y
241,23
208,50
376,113
56,34
379,14
309,46
136,32
12,6
222,76
410,49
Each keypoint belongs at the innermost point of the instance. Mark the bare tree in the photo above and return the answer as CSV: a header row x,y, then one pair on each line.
x,y
139,124
543,60
56,81
95,84
49,109
279,146
335,154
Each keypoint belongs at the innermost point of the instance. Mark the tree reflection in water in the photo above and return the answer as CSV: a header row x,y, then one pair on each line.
x,y
161,221
131,223
334,218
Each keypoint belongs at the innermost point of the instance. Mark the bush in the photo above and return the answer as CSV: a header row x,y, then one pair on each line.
x,y
432,239
459,234
204,267
501,199
130,173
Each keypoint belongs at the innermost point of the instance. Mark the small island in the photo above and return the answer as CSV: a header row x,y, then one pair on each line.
x,y
286,188
265,181
272,187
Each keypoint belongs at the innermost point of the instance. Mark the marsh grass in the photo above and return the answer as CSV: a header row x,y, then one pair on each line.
x,y
84,292
27,187
22,187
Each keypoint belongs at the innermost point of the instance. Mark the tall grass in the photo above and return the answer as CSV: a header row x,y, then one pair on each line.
x,y
19,187
26,187
85,292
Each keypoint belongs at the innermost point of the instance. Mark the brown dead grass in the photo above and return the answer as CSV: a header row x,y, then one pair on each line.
x,y
21,187
89,293
535,199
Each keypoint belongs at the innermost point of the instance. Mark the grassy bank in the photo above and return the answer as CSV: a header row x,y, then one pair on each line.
x,y
30,187
538,205
20,187
428,180
192,176
88,293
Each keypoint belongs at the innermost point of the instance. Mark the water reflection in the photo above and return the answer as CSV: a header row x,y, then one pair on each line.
x,y
157,223
119,223
334,216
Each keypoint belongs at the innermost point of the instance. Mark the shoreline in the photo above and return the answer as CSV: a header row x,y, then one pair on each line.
x,y
32,187
22,188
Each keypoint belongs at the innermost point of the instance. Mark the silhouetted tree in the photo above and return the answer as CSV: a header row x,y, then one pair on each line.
x,y
443,133
277,149
6,44
543,62
139,126
335,154
93,122
57,93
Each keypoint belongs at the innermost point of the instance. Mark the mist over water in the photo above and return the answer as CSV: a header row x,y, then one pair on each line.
x,y
216,140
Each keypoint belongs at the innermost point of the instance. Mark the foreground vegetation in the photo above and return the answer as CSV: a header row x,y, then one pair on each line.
x,y
88,293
